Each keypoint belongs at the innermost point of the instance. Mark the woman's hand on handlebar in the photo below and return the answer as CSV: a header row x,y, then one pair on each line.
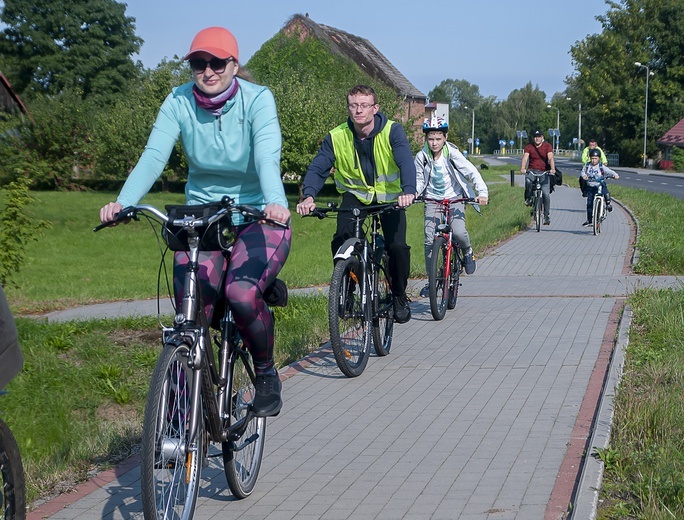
x,y
482,200
278,213
406,200
306,206
110,211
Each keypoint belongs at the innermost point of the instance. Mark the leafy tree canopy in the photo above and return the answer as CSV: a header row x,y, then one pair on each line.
x,y
611,88
310,83
49,46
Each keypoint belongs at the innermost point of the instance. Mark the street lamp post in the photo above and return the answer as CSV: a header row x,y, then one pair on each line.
x,y
579,129
472,134
648,73
557,125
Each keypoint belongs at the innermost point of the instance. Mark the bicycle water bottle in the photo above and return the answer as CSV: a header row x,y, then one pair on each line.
x,y
379,248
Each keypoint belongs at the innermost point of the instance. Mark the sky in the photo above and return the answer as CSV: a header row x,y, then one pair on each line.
x,y
497,45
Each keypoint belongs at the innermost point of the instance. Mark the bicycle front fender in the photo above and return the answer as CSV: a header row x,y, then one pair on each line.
x,y
347,249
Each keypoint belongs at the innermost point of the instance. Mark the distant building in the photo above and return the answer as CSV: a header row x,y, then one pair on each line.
x,y
368,58
9,100
673,137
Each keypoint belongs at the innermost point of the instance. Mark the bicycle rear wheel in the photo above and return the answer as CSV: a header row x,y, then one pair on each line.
x,y
538,212
349,317
597,214
438,281
171,466
383,309
13,498
242,455
454,278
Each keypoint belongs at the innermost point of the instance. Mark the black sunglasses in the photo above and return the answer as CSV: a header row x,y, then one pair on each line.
x,y
217,65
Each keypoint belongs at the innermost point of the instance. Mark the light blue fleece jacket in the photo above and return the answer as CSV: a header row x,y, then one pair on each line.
x,y
235,154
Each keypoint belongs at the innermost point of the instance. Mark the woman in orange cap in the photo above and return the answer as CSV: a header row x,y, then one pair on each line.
x,y
231,137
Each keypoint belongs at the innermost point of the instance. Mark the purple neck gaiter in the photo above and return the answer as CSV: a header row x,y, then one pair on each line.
x,y
215,104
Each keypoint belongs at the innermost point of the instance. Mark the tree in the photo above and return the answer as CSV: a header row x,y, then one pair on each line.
x,y
49,46
611,87
309,83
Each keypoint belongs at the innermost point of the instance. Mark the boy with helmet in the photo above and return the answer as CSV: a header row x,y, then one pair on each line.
x,y
595,173
442,172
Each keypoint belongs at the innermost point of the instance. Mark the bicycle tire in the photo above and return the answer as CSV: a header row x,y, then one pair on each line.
x,y
538,212
597,214
438,281
170,472
383,309
242,457
12,478
454,278
349,318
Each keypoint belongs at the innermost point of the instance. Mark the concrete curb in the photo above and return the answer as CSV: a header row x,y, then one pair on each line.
x,y
585,501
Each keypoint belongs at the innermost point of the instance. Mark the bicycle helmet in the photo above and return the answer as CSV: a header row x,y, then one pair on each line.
x,y
594,153
435,123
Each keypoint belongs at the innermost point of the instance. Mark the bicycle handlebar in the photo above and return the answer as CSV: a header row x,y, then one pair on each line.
x,y
332,207
227,205
465,200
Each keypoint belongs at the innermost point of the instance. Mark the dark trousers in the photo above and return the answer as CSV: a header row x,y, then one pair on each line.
x,y
393,229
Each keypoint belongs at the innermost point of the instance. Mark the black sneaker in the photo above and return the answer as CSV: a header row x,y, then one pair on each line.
x,y
609,207
267,401
469,263
528,202
547,221
402,310
425,291
586,223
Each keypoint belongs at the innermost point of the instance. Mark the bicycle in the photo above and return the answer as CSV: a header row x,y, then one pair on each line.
x,y
599,210
360,301
195,397
537,198
12,479
446,261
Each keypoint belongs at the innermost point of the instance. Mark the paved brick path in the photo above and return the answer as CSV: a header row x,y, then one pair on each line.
x,y
484,415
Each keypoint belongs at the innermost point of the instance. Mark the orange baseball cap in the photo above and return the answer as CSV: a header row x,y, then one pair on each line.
x,y
217,41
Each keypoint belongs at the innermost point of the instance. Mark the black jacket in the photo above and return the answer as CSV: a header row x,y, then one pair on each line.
x,y
11,359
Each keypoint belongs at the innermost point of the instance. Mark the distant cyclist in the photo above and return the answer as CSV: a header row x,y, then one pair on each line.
x,y
539,155
442,172
593,145
595,173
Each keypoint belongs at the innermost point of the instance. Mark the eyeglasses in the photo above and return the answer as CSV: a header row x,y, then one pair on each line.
x,y
217,65
362,106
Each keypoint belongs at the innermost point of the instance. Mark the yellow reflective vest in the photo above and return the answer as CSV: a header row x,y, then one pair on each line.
x,y
348,175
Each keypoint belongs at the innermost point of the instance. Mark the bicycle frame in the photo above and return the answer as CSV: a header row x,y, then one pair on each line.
x,y
444,271
195,398
537,197
599,210
360,305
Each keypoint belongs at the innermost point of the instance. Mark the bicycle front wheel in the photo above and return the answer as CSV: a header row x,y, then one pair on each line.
x,y
11,476
438,280
597,214
242,455
349,317
538,212
383,309
171,462
454,278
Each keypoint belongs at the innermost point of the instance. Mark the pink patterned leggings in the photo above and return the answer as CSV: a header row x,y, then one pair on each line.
x,y
258,255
